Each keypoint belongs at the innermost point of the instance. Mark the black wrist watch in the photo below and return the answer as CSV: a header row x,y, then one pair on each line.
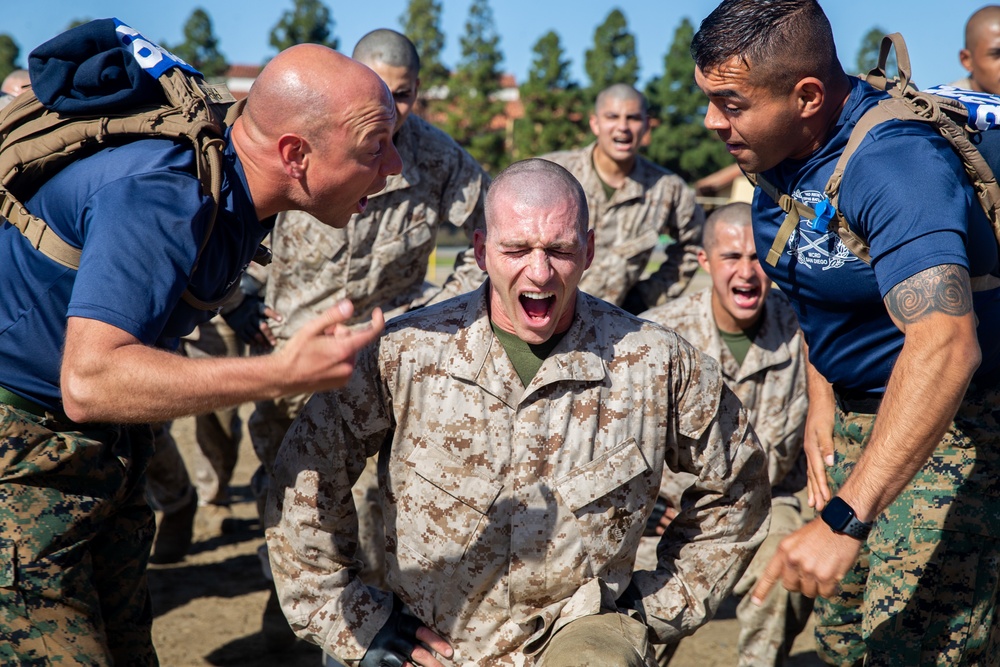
x,y
841,518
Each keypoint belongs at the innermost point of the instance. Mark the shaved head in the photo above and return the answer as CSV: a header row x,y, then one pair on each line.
x,y
388,47
316,135
536,183
619,91
981,55
307,88
980,23
736,214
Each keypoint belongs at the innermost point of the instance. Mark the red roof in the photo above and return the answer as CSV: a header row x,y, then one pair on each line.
x,y
243,71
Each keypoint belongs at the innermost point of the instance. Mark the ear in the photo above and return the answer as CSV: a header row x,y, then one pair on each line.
x,y
703,260
810,94
593,124
416,89
479,248
965,57
590,248
294,151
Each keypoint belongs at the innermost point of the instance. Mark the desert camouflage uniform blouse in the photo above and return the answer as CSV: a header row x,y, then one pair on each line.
x,y
511,511
771,382
381,257
653,201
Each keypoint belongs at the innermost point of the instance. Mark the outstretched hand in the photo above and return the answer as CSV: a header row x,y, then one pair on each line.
x,y
812,560
321,355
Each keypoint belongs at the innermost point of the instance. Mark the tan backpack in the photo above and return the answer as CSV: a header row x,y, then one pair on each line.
x,y
950,117
36,142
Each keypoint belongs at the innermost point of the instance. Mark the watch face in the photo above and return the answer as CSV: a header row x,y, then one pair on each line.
x,y
840,517
837,514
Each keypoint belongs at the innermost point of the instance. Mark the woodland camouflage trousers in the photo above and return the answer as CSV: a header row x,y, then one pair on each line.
x,y
75,534
924,591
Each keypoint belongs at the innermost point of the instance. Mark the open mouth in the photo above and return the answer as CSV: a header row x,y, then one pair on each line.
x,y
537,305
622,142
746,297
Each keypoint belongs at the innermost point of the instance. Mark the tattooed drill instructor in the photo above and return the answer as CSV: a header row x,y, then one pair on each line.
x,y
905,552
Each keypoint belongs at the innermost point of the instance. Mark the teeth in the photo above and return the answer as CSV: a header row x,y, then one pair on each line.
x,y
538,295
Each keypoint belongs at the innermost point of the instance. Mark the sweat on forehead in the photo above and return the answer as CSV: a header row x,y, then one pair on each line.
x,y
536,183
388,47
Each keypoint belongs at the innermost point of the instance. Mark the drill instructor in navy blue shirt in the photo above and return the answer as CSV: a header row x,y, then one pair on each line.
x,y
86,354
904,555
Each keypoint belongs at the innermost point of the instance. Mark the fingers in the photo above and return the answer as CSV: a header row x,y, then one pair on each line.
x,y
668,516
266,337
772,573
817,462
432,644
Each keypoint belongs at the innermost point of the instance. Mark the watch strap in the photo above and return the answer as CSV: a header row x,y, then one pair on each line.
x,y
842,518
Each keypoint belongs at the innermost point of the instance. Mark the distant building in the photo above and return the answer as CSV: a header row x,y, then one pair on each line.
x,y
239,78
723,187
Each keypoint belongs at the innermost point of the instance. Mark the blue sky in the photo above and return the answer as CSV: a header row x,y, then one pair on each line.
x,y
933,29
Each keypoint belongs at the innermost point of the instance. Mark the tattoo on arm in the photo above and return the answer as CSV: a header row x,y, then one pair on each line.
x,y
940,289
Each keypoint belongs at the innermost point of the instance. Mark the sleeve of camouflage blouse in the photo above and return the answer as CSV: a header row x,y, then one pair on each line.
x,y
466,274
783,454
684,225
725,513
311,519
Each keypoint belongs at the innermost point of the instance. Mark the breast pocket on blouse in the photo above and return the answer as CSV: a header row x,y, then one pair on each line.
x,y
608,496
441,510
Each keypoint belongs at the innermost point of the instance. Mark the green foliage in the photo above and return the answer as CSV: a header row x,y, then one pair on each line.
x,y
473,88
9,53
613,58
200,47
309,22
422,24
555,110
868,53
680,141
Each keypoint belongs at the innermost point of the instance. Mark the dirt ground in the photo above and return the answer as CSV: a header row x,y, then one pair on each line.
x,y
208,607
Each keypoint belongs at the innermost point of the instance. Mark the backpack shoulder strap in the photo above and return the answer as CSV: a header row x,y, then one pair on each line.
x,y
36,142
795,211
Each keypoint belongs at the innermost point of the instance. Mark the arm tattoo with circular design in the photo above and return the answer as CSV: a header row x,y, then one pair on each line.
x,y
940,289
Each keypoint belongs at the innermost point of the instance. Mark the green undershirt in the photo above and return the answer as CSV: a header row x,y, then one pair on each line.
x,y
739,343
609,191
525,358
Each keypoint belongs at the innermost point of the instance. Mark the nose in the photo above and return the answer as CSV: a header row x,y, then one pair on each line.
x,y
745,269
539,267
715,119
393,163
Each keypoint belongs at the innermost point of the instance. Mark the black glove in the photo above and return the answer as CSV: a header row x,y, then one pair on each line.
x,y
633,303
659,509
396,640
246,318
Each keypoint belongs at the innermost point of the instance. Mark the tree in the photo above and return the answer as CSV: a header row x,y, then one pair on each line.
x,y
613,58
200,47
9,53
868,53
422,24
680,141
473,105
309,22
555,111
